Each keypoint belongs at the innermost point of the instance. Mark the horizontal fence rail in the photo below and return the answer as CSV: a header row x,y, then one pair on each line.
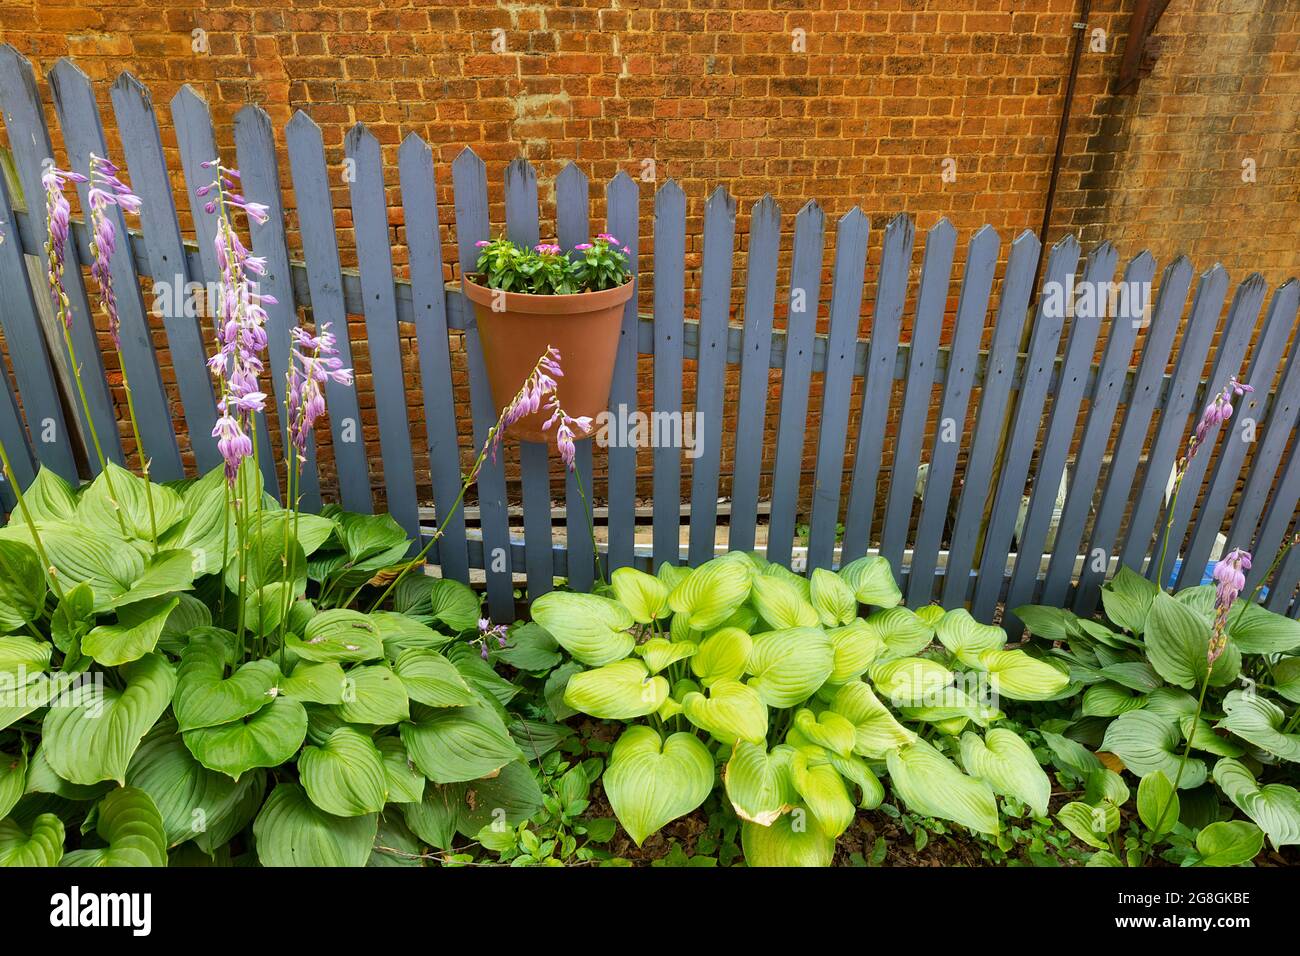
x,y
1025,469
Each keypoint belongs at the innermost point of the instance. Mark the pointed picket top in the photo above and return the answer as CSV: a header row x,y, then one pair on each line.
x,y
571,174
11,59
468,163
413,149
1102,251
720,199
901,228
65,79
1141,260
767,207
188,99
520,171
1067,244
252,115
941,231
1253,284
301,124
855,218
812,213
669,193
359,140
128,83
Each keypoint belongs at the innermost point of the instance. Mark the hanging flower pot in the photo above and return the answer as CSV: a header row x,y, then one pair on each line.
x,y
526,300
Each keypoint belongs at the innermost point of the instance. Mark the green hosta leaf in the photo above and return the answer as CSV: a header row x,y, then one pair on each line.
x,y
855,647
593,629
292,831
782,844
136,633
832,732
619,691
731,711
1259,721
1104,858
205,697
672,574
405,783
1005,761
22,658
1127,600
780,604
790,665
1229,843
88,744
872,581
314,683
773,570
1275,806
903,633
1204,738
454,605
1147,743
430,678
458,744
931,784
73,618
531,648
1171,702
834,600
644,595
1110,700
966,638
1016,675
911,681
1071,755
876,732
22,585
339,635
80,553
166,572
43,846
1157,803
759,784
659,652
345,775
722,655
402,633
13,780
1256,630
266,738
1049,623
47,498
1135,675
373,694
100,506
709,595
856,772
365,537
1177,640
1090,824
822,789
1286,678
132,827
512,796
651,782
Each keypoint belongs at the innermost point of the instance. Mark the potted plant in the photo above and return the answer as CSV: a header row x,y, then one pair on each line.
x,y
528,299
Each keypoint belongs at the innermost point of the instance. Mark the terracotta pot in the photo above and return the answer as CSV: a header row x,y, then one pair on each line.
x,y
584,327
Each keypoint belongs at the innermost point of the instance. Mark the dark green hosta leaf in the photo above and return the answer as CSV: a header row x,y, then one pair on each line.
x,y
402,633
449,603
1147,743
100,506
395,844
366,536
264,608
1127,599
132,827
267,738
166,572
1178,639
87,744
651,781
267,561
22,658
189,615
339,635
22,585
206,697
1261,722
1110,700
459,744
405,783
1049,623
104,560
207,528
506,800
1286,678
292,831
1157,803
531,648
373,694
42,846
41,778
345,775
432,679
594,629
135,633
1256,630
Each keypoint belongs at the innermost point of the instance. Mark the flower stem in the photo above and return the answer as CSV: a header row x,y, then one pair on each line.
x,y
139,447
31,525
90,425
1169,526
591,524
1182,762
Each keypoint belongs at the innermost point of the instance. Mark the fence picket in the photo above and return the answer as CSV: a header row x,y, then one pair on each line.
x,y
469,182
755,370
1071,384
796,376
429,301
1283,586
1102,403
16,445
994,392
852,233
573,226
622,200
29,139
963,357
669,326
168,262
320,249
711,370
83,134
931,301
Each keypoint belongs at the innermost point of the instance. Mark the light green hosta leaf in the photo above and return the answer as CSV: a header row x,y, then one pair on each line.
x,y
430,678
339,635
773,570
903,633
672,574
43,846
855,648
659,652
1204,738
593,629
99,508
292,831
373,694
1127,599
1110,700
344,775
1259,721
780,604
1090,824
1256,630
1274,806
930,784
722,655
966,638
266,738
87,744
315,683
1104,858
75,616
401,633
759,784
876,732
136,633
872,581
911,681
790,665
1177,642
1286,678
404,782
1004,760
1016,675
1229,843
22,585
619,691
1147,743
644,595
166,572
856,772
651,782
132,827
730,712
822,789
1171,702
783,844
13,780
1157,803
709,595
459,744
22,658
205,697
47,498
834,600
18,699
1071,755
828,730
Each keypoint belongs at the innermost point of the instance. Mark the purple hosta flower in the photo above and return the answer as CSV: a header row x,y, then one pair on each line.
x,y
566,431
487,631
1230,581
58,214
232,442
529,399
224,184
106,189
1216,413
313,361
